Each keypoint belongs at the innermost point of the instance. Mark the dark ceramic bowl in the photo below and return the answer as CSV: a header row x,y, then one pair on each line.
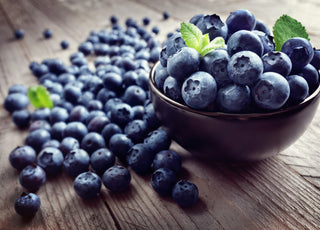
x,y
232,137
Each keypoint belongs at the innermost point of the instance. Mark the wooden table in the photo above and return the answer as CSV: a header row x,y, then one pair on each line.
x,y
278,193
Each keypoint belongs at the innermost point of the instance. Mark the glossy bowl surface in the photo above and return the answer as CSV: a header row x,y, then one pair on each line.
x,y
232,137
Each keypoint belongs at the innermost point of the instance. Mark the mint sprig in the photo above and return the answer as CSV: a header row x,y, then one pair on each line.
x,y
194,38
40,97
285,28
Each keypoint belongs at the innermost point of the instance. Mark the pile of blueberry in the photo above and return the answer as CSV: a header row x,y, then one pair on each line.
x,y
247,75
102,123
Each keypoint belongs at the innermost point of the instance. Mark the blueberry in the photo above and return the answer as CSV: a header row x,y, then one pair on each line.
x,y
199,90
117,178
245,68
57,130
39,70
157,140
86,48
41,114
18,88
15,101
299,50
85,99
136,130
163,180
134,95
244,40
110,104
121,114
266,40
166,15
72,93
112,81
37,138
170,47
150,117
87,185
68,144
316,59
98,123
40,124
76,162
182,64
32,177
212,25
113,19
311,75
47,33
58,114
79,113
109,130
129,78
93,114
185,193
120,144
138,111
172,88
19,33
167,159
234,98
27,204
240,20
76,130
64,44
261,26
155,30
271,91
101,160
51,160
140,158
216,63
92,141
56,66
22,156
21,118
276,61
196,18
299,89
51,143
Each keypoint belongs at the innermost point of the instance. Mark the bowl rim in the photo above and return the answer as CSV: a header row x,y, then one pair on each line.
x,y
244,116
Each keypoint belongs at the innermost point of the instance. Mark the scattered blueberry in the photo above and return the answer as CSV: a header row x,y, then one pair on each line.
x,y
19,33
22,156
167,159
87,185
117,178
51,160
163,180
101,160
64,44
27,204
47,33
32,177
76,162
185,193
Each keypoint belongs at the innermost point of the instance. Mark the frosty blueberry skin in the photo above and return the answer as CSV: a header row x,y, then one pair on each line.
x,y
185,193
117,178
240,20
27,204
299,50
271,91
199,90
299,89
22,156
163,180
32,177
276,61
87,185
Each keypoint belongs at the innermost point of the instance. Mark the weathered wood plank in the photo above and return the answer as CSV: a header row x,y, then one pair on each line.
x,y
266,195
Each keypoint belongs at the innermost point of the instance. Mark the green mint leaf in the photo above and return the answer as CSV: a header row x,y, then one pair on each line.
x,y
192,35
39,97
216,43
285,28
205,40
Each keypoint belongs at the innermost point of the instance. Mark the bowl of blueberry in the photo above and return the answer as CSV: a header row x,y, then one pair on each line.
x,y
232,90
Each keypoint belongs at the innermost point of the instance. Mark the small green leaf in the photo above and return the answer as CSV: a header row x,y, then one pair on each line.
x,y
285,28
192,35
205,40
216,43
39,97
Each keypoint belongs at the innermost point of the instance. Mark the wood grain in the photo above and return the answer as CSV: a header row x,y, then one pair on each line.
x,y
278,193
